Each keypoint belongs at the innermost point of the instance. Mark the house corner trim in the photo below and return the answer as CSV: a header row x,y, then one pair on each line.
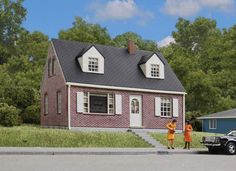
x,y
183,112
69,120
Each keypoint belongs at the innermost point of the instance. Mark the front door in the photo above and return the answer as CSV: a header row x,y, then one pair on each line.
x,y
135,111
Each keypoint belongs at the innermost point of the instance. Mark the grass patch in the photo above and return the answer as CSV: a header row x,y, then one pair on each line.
x,y
179,139
34,136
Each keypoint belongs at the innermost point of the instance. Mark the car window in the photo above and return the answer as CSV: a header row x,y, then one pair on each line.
x,y
232,133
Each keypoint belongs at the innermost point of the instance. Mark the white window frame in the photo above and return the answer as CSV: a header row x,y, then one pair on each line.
x,y
212,124
93,64
110,102
86,102
164,107
155,71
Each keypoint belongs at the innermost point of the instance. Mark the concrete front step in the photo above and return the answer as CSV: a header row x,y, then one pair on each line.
x,y
146,137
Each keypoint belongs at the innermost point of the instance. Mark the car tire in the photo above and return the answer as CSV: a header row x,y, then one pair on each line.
x,y
231,148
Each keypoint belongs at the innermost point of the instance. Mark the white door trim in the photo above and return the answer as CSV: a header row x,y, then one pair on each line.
x,y
135,111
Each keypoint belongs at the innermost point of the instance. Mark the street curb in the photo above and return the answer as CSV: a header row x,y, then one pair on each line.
x,y
82,153
188,152
105,152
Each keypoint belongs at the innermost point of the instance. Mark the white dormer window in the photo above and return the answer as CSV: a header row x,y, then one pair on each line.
x,y
153,67
93,64
155,73
92,61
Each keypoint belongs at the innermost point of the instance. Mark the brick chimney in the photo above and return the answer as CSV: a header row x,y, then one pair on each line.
x,y
131,47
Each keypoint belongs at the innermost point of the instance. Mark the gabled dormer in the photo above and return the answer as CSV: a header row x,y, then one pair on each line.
x,y
91,60
152,66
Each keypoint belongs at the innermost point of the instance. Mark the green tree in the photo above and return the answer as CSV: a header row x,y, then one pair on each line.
x,y
9,115
202,95
34,45
121,41
21,85
12,13
22,57
229,45
204,60
86,32
181,61
192,36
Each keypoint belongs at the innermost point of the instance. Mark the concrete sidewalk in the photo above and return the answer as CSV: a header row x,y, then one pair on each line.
x,y
94,151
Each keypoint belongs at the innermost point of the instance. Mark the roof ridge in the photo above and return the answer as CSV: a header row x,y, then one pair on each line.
x,y
225,111
95,44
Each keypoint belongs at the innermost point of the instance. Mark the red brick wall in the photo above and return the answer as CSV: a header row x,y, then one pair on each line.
x,y
123,120
51,85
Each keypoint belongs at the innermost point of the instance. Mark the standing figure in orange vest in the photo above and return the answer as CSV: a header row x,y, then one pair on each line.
x,y
171,133
187,134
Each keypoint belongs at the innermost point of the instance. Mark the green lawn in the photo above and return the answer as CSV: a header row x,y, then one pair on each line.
x,y
179,139
34,136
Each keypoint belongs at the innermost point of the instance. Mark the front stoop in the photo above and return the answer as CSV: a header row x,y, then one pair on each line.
x,y
146,137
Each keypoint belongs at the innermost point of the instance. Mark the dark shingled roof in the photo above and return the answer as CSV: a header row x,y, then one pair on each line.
x,y
224,114
144,59
120,68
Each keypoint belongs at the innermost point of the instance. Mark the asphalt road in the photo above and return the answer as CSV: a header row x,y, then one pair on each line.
x,y
149,162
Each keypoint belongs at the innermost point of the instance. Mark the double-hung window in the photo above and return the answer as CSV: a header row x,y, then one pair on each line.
x,y
166,107
99,103
53,66
49,67
212,124
59,102
45,104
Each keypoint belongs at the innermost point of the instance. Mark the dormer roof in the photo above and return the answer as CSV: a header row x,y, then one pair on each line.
x,y
144,59
85,49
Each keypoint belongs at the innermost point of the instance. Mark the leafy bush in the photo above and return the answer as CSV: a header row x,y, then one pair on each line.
x,y
192,117
31,114
9,115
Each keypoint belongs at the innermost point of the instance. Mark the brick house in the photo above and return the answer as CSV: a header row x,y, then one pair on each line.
x,y
95,86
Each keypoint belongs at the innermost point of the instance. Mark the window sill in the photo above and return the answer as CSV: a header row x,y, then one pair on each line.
x,y
159,78
91,72
49,76
100,114
167,117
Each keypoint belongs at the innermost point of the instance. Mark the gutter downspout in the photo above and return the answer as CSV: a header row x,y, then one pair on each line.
x,y
183,112
68,94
